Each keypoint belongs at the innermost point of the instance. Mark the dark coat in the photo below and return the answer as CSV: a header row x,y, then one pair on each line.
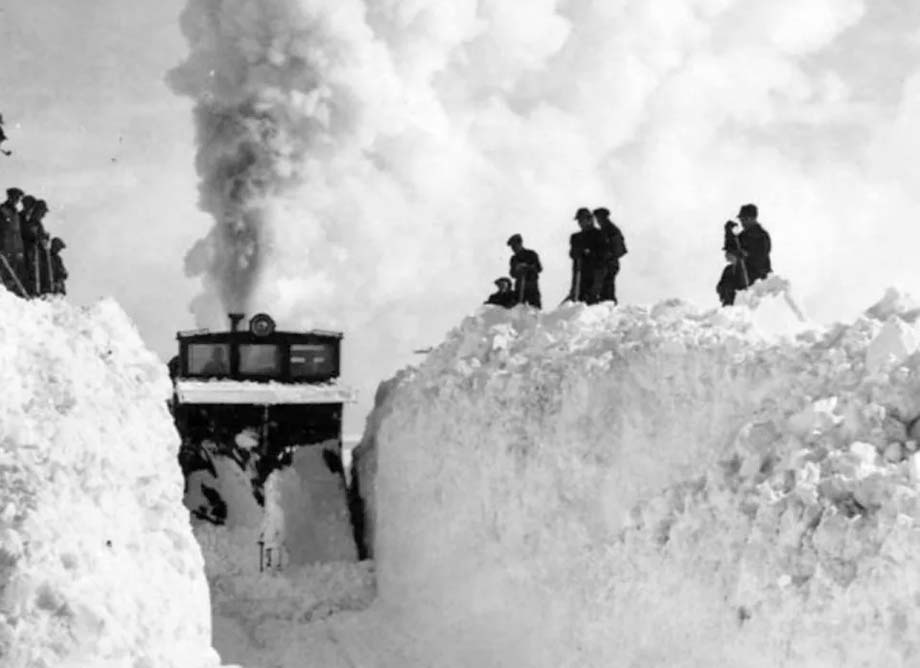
x,y
756,244
10,231
614,242
614,249
731,281
525,269
588,246
58,274
33,231
506,299
588,251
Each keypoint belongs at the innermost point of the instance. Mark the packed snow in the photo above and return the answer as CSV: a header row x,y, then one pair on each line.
x,y
590,486
95,546
654,487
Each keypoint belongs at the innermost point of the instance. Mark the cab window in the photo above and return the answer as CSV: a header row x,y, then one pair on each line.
x,y
312,360
209,359
260,359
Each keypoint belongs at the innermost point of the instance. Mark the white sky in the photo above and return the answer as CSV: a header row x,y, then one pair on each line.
x,y
463,128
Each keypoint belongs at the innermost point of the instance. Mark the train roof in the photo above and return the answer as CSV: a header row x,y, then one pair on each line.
x,y
207,334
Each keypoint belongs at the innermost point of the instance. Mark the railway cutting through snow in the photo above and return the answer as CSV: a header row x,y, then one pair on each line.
x,y
747,479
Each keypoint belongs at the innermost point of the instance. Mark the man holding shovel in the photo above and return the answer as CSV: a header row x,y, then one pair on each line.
x,y
525,269
587,250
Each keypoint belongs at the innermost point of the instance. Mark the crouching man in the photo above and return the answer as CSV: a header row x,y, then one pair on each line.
x,y
504,296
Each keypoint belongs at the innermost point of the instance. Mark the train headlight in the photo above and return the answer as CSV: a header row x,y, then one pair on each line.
x,y
261,324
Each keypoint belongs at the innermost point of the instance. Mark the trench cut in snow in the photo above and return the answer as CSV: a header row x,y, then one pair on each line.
x,y
652,487
98,565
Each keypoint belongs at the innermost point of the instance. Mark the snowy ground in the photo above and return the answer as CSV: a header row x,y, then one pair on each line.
x,y
586,487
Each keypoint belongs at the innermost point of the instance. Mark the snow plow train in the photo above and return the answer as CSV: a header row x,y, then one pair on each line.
x,y
247,401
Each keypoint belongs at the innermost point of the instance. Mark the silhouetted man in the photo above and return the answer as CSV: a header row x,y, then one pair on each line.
x,y
11,239
614,249
58,270
525,269
586,248
28,203
34,238
753,242
504,296
733,277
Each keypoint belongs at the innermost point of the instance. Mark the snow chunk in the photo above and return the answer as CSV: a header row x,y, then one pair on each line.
x,y
896,341
774,312
895,304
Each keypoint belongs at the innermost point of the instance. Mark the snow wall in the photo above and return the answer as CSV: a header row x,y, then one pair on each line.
x,y
626,486
95,546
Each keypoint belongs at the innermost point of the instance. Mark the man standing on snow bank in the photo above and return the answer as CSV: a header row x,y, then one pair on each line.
x,y
504,296
753,242
58,270
614,249
733,277
34,237
11,245
586,248
525,269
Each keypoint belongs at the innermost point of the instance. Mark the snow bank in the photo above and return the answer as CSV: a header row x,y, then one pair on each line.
x,y
653,487
95,546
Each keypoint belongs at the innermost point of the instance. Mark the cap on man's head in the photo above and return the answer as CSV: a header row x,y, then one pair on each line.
x,y
748,211
14,192
57,243
602,212
515,239
502,279
41,204
28,199
582,213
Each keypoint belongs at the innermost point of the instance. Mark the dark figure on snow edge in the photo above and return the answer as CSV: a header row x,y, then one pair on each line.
x,y
748,254
595,254
524,267
614,249
31,264
504,296
11,242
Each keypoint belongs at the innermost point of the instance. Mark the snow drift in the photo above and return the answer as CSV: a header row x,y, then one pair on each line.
x,y
653,487
95,545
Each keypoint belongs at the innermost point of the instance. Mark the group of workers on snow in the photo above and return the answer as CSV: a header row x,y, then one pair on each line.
x,y
596,250
30,260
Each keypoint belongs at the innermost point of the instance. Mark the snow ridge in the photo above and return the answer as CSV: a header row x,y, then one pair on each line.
x,y
95,545
656,487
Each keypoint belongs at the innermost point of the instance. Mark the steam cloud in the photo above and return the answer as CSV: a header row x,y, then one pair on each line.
x,y
365,161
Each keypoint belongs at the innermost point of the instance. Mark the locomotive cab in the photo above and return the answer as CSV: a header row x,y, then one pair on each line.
x,y
250,401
